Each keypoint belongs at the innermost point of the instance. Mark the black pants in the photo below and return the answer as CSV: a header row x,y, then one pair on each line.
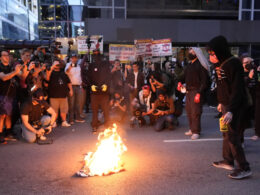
x,y
99,101
232,148
194,111
257,114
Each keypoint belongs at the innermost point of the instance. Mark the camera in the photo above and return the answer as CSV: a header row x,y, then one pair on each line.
x,y
37,64
155,111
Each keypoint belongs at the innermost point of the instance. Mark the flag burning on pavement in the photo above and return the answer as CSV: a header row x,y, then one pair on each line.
x,y
107,157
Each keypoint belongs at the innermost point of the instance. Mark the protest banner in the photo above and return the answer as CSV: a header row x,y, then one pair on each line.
x,y
96,42
162,47
124,53
143,47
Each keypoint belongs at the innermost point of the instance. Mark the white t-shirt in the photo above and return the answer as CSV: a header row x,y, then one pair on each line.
x,y
74,74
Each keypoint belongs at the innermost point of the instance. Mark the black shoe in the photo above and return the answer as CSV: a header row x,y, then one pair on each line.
x,y
2,140
10,137
240,174
222,164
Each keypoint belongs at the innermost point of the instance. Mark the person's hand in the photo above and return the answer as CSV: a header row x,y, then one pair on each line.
x,y
49,128
251,74
104,87
159,113
55,63
197,98
40,132
71,93
94,88
31,65
228,117
258,68
219,108
116,104
152,81
179,86
144,113
43,67
18,68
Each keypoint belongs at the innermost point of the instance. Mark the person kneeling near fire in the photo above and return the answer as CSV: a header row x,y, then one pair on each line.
x,y
164,110
34,123
118,107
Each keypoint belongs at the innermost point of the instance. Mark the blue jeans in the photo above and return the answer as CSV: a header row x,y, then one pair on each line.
x,y
75,103
163,121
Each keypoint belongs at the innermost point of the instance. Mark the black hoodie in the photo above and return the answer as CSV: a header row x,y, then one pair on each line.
x,y
230,82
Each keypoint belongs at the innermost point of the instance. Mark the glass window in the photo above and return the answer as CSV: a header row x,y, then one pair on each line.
x,y
61,12
246,15
100,2
75,13
75,28
24,2
257,4
100,13
10,31
120,3
119,13
246,4
62,29
257,15
47,13
47,29
62,2
30,4
46,1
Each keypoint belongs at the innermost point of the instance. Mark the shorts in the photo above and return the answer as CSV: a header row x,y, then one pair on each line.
x,y
59,104
6,105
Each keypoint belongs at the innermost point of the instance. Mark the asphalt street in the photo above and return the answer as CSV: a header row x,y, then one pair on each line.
x,y
166,162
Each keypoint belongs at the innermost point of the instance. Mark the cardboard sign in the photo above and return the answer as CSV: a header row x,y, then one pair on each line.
x,y
124,53
162,47
96,42
143,47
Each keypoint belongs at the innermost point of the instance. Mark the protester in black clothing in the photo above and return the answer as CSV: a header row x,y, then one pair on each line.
x,y
257,107
34,123
135,81
117,82
99,79
232,100
59,88
8,88
195,76
140,63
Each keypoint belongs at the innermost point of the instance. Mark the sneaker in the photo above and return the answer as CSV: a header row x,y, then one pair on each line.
x,y
195,136
188,132
10,137
240,174
255,137
54,125
79,120
223,165
42,138
2,140
65,124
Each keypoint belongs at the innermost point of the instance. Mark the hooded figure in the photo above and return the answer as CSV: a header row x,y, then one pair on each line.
x,y
232,103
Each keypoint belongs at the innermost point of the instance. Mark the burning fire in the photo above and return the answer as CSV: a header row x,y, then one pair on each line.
x,y
107,158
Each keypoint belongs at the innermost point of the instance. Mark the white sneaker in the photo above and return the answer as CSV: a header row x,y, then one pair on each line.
x,y
188,132
65,124
54,125
255,137
195,136
43,138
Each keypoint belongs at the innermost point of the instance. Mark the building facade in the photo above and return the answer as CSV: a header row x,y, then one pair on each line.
x,y
19,19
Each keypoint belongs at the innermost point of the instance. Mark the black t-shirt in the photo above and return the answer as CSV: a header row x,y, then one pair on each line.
x,y
4,85
35,112
58,85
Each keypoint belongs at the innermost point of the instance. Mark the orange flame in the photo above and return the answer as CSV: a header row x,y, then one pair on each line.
x,y
107,158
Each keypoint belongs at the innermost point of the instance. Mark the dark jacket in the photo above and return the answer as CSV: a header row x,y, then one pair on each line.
x,y
99,74
140,80
230,82
196,77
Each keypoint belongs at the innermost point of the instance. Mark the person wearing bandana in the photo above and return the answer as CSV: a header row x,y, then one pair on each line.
x,y
99,79
232,99
195,76
34,123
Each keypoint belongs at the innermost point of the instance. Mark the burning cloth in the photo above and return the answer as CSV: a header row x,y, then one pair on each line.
x,y
107,157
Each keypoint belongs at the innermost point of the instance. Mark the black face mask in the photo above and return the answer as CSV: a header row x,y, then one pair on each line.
x,y
249,66
191,56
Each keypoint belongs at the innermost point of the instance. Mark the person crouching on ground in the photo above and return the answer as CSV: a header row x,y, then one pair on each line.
x,y
117,107
34,123
164,109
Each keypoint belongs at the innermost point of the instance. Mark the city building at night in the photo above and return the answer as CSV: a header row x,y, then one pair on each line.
x,y
19,19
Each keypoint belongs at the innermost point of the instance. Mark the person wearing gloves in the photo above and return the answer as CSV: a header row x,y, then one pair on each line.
x,y
232,99
99,78
195,76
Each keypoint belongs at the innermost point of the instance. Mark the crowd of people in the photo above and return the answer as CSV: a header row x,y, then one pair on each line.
x,y
41,93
